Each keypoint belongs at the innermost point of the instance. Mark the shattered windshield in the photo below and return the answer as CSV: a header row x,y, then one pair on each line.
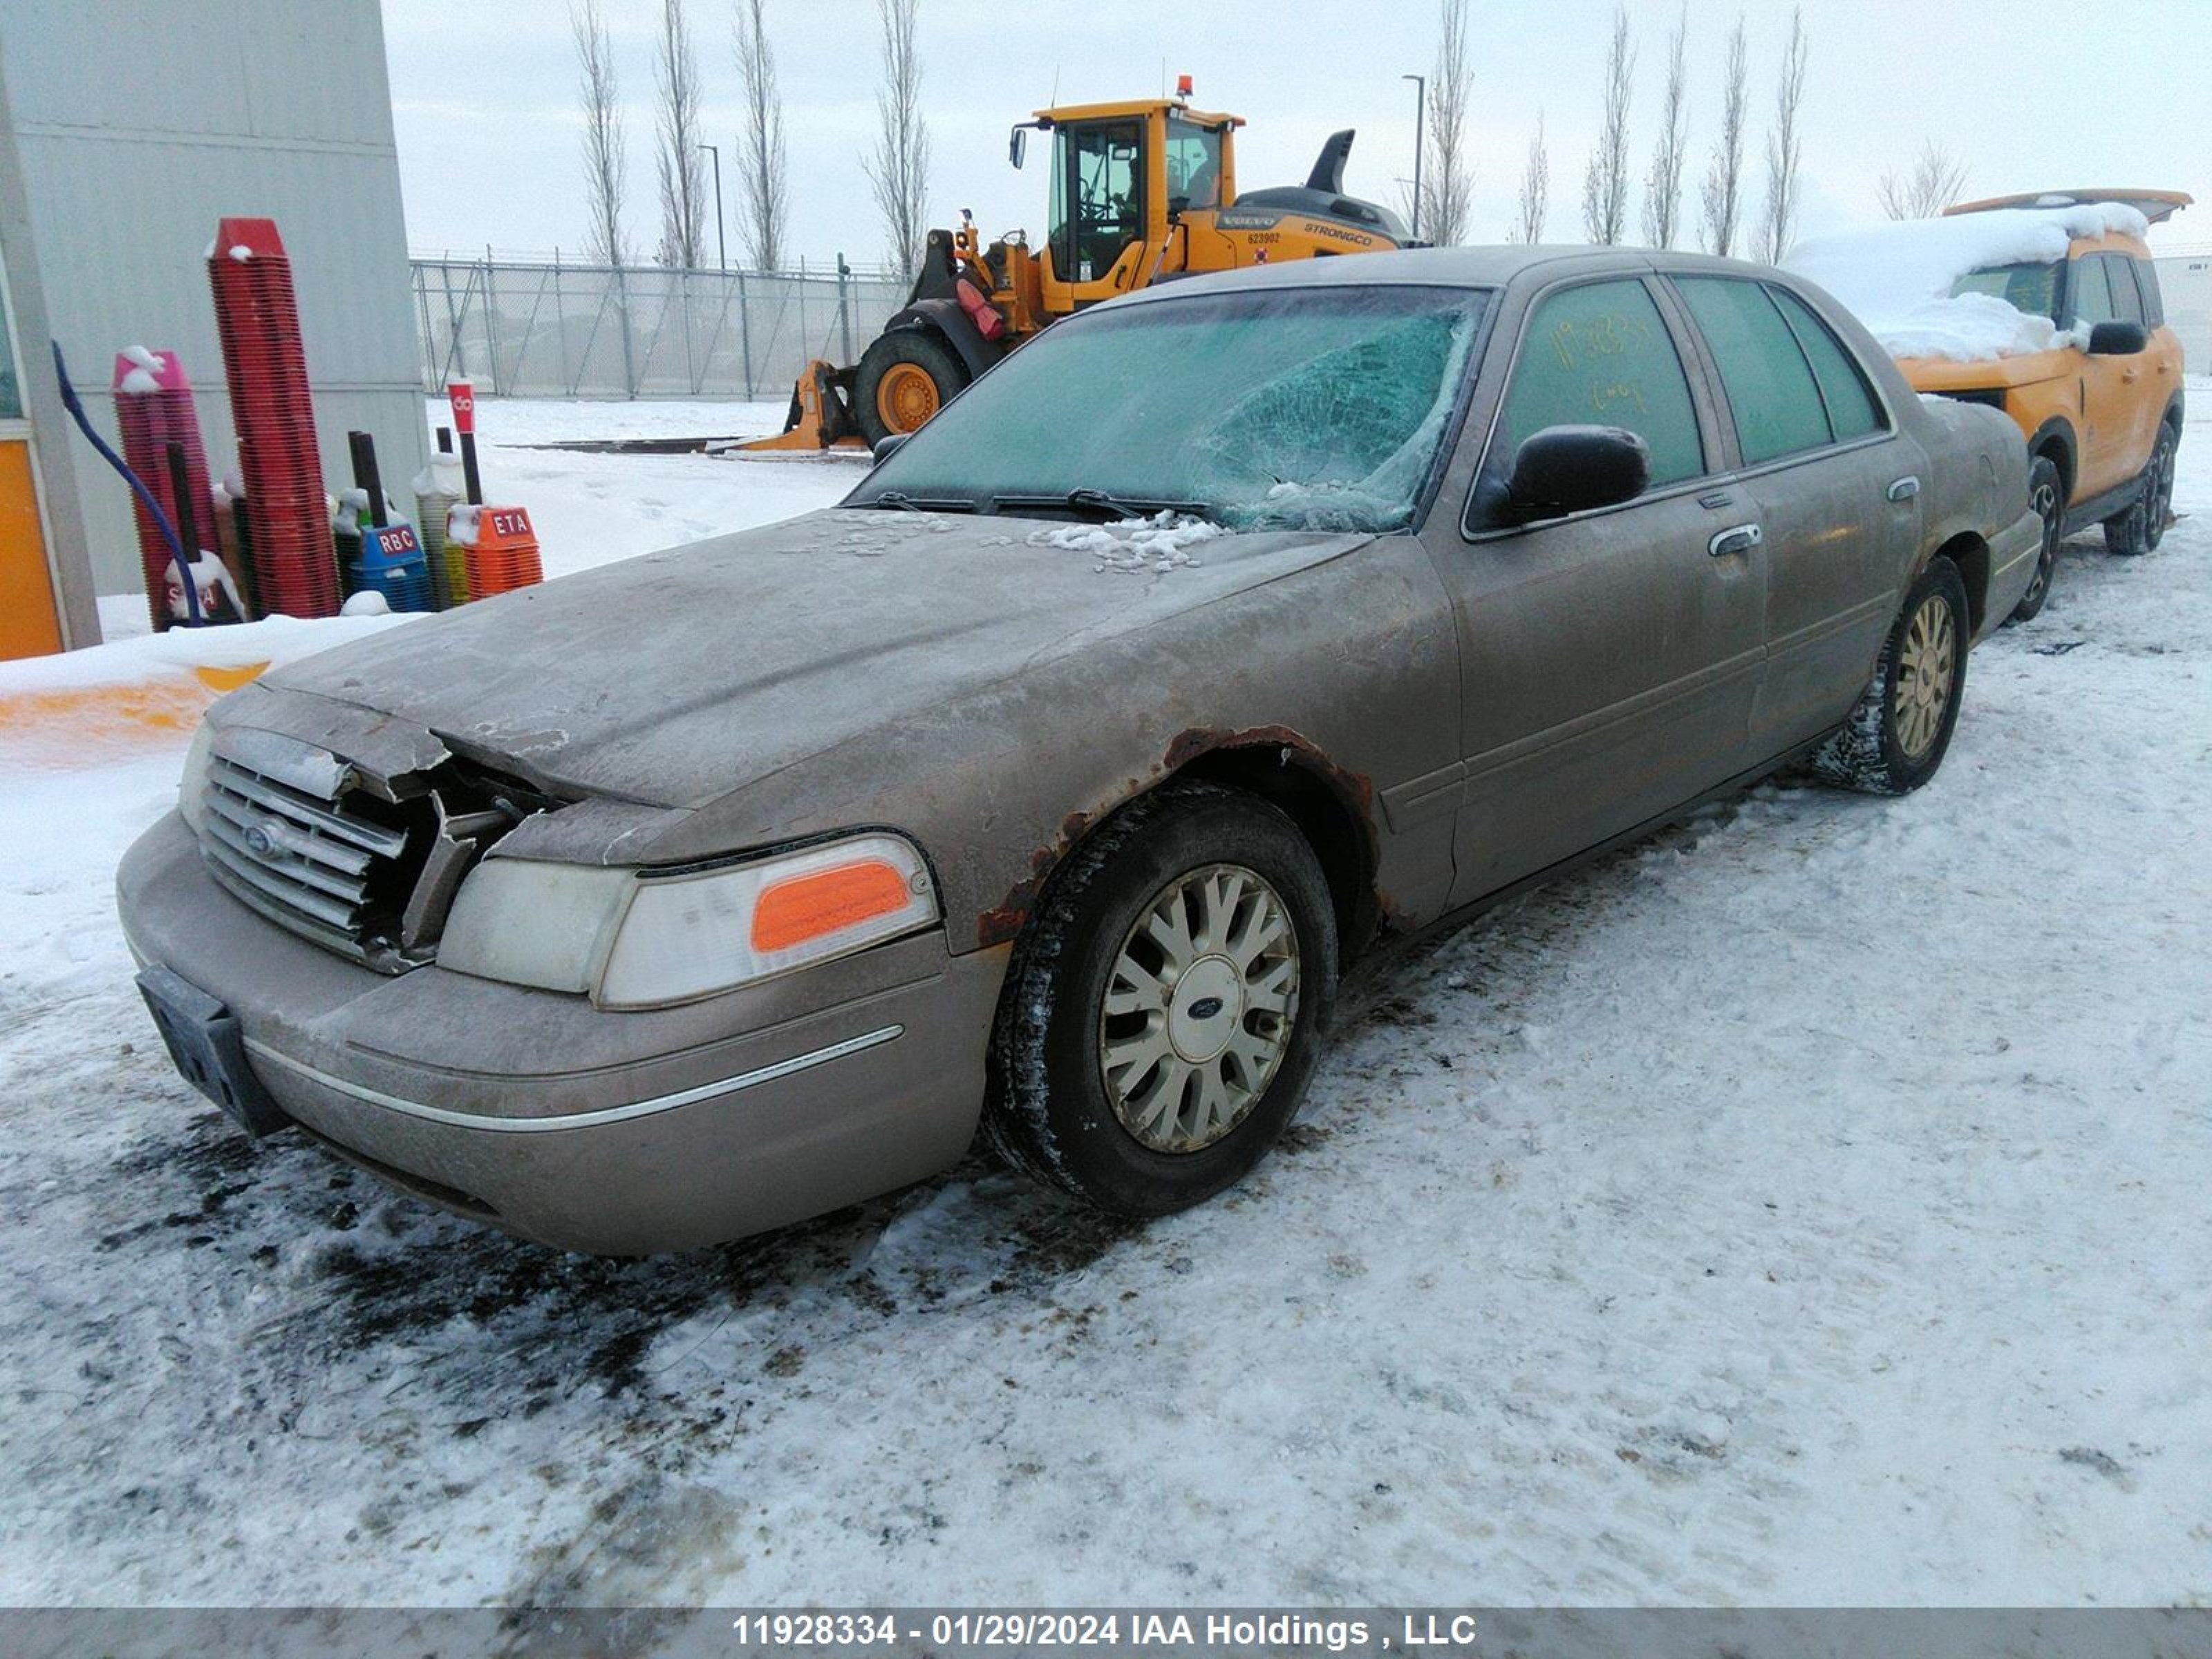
x,y
1304,408
2030,288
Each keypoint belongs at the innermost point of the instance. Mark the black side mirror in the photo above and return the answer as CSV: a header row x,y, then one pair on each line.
x,y
1017,146
2117,339
887,446
1574,469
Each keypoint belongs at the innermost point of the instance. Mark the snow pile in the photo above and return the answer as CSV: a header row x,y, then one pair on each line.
x,y
241,252
461,524
273,640
1156,544
1898,277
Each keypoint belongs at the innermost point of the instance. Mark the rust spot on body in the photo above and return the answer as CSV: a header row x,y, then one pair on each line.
x,y
1003,921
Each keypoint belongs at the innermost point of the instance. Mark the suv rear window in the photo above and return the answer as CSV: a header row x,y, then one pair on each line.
x,y
1770,385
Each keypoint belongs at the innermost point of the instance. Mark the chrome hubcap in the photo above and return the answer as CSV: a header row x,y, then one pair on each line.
x,y
1923,676
1199,1008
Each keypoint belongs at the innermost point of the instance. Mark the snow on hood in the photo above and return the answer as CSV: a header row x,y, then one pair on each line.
x,y
1898,277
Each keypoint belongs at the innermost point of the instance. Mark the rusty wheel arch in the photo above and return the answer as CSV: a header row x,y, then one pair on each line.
x,y
1333,806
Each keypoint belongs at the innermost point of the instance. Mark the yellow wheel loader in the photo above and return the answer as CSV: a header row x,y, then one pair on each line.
x,y
1141,193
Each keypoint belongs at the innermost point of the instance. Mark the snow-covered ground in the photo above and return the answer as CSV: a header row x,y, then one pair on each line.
x,y
1807,1206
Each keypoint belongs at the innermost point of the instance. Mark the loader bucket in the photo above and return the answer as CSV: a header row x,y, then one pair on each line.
x,y
821,415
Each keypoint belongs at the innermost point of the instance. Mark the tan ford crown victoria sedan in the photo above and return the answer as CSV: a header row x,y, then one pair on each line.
x,y
705,892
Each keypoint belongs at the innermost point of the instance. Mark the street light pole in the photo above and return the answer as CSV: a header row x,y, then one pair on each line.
x,y
722,239
1421,115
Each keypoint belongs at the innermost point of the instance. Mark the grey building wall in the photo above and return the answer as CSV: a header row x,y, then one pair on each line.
x,y
137,124
2185,281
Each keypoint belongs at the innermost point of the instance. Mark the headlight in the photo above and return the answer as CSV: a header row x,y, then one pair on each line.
x,y
192,788
636,940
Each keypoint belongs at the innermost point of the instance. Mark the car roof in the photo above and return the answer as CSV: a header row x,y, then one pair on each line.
x,y
1449,267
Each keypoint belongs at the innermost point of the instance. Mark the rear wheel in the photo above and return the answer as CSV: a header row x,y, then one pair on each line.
x,y
2142,526
1166,1003
2046,492
905,377
1895,737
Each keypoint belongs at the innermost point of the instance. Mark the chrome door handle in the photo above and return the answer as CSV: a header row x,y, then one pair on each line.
x,y
1737,538
1904,488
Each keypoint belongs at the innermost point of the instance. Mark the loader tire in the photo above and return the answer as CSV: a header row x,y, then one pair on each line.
x,y
905,377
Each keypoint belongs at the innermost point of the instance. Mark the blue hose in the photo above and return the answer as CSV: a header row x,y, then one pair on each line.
x,y
160,519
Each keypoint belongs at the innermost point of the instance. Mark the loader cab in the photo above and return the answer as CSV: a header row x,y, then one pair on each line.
x,y
1121,175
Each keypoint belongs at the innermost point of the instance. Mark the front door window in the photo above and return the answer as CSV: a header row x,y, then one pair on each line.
x,y
1097,196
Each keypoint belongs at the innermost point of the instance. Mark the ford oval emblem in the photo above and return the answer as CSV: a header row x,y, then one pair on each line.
x,y
1205,1008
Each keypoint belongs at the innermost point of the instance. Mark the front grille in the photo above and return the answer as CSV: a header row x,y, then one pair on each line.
x,y
363,864
315,866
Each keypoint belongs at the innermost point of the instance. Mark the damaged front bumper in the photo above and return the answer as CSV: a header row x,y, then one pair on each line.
x,y
614,1133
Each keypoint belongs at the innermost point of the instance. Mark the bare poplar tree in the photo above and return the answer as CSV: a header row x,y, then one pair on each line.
x,y
763,197
1936,181
1722,193
1784,144
898,172
606,153
1604,181
1662,185
1447,176
1535,188
676,131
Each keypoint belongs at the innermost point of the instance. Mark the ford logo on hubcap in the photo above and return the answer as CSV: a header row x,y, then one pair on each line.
x,y
1205,1008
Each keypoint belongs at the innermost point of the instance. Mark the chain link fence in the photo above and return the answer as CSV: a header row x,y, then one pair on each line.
x,y
517,330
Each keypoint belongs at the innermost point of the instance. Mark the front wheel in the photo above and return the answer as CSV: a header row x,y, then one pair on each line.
x,y
1166,1004
1895,737
2046,492
905,377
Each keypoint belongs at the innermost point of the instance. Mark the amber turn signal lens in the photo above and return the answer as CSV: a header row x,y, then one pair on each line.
x,y
824,901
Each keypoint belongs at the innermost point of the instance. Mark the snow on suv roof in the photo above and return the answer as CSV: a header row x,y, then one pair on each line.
x,y
1899,277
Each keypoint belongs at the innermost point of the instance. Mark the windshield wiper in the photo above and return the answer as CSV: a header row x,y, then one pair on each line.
x,y
906,503
1103,503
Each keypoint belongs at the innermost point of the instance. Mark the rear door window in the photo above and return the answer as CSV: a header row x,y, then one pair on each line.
x,y
1599,355
1852,411
1770,385
2154,301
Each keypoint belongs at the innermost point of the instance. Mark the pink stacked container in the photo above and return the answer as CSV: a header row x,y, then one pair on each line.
x,y
154,408
295,568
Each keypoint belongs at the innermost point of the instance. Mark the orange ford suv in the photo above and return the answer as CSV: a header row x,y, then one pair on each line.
x,y
2101,409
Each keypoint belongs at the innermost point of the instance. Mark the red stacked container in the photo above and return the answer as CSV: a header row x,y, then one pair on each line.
x,y
295,568
154,408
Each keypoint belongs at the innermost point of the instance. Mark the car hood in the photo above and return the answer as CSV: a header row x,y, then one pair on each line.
x,y
674,679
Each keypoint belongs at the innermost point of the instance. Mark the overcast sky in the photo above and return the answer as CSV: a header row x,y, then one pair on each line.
x,y
2119,93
